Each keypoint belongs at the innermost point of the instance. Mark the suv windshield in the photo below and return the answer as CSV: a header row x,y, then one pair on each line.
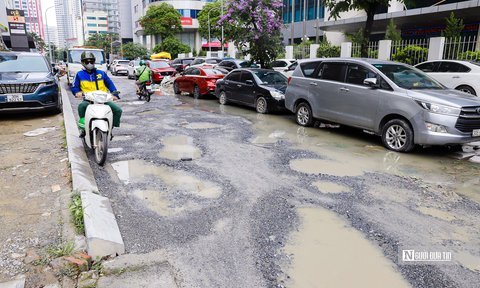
x,y
268,77
18,63
123,62
74,56
408,78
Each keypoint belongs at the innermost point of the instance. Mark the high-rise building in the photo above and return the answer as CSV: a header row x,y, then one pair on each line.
x,y
68,15
111,7
33,15
125,12
95,23
51,34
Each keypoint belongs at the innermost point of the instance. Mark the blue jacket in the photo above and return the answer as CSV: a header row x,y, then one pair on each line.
x,y
85,82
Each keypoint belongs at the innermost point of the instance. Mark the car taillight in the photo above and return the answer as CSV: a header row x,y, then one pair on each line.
x,y
289,78
148,82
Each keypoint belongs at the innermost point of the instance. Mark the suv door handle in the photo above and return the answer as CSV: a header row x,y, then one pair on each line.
x,y
313,83
344,89
238,85
456,77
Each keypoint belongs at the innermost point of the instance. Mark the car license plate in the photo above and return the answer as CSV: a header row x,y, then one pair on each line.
x,y
14,98
476,133
149,87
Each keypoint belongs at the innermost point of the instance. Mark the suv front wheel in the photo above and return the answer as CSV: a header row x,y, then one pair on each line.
x,y
397,135
303,115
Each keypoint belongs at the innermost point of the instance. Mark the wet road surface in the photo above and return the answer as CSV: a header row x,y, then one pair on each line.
x,y
239,199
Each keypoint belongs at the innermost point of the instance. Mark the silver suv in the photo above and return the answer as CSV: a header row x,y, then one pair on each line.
x,y
396,101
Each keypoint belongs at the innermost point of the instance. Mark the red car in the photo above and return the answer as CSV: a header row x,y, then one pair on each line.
x,y
198,81
160,69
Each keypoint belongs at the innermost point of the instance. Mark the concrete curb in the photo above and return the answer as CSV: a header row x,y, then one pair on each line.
x,y
101,228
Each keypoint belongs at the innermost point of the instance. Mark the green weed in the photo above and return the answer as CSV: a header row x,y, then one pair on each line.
x,y
76,211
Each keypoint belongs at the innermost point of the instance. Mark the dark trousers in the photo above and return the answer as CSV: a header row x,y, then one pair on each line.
x,y
117,111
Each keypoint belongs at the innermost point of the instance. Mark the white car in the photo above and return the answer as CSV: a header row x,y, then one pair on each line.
x,y
289,70
282,64
119,66
203,61
132,68
455,74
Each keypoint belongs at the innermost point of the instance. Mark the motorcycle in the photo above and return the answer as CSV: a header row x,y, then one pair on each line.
x,y
146,91
98,124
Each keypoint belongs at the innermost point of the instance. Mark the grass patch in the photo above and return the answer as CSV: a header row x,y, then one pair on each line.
x,y
76,211
62,249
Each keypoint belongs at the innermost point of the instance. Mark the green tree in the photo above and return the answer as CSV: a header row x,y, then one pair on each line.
x,y
173,46
392,32
255,26
215,29
39,43
163,20
369,6
454,27
102,41
132,50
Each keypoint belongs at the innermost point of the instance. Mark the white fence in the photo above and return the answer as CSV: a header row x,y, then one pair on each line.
x,y
411,51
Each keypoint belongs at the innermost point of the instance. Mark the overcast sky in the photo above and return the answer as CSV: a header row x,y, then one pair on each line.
x,y
52,20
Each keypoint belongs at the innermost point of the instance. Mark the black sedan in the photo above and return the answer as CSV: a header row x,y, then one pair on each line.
x,y
260,88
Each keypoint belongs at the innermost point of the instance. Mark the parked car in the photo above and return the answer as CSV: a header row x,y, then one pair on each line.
x,y
119,66
202,61
455,74
396,101
160,69
132,68
28,83
197,81
282,64
181,63
231,64
289,70
263,89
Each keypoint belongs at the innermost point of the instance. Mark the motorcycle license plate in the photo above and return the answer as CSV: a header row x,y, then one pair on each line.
x,y
15,98
149,87
476,133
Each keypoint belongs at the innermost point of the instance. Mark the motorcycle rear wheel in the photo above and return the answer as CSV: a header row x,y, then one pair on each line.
x,y
101,146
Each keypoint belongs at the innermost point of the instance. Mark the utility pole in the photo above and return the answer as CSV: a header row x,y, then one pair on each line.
x,y
292,28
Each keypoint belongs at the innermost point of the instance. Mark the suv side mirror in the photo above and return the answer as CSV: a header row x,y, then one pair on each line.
x,y
249,82
370,82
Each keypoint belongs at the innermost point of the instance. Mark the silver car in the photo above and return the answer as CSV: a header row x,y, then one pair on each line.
x,y
396,101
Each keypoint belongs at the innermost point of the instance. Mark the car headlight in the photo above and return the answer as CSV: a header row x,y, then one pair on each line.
x,y
438,108
277,95
46,84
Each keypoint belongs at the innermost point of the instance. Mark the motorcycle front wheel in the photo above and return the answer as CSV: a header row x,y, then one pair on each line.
x,y
101,146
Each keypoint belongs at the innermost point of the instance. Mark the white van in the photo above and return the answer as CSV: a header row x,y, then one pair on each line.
x,y
74,64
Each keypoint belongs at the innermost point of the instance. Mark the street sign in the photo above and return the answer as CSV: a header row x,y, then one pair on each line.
x,y
18,29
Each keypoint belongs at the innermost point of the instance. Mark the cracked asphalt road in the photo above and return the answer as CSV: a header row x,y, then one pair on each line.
x,y
260,200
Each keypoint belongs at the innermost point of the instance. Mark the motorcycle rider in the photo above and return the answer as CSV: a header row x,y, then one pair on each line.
x,y
143,74
90,79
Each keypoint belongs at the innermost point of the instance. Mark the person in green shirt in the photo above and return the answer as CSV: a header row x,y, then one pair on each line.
x,y
143,74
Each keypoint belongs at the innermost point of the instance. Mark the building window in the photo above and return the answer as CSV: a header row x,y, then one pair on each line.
x,y
91,25
92,32
135,8
91,18
102,18
102,25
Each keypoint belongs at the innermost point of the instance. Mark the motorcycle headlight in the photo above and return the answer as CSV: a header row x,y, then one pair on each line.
x,y
438,108
277,95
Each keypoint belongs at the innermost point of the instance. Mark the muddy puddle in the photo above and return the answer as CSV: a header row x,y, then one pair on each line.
x,y
157,201
330,187
175,180
179,147
327,252
330,167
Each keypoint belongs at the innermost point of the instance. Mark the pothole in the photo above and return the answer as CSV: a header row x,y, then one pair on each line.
x,y
330,187
157,202
437,213
326,248
179,147
202,125
320,166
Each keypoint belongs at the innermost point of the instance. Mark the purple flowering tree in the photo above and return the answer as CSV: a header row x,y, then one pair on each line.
x,y
255,26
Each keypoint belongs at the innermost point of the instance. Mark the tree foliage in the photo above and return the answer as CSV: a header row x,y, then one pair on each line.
x,y
369,6
392,32
102,41
215,28
255,26
39,43
132,50
454,27
173,46
163,20
411,55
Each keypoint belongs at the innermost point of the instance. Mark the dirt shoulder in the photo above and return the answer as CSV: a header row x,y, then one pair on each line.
x,y
34,191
